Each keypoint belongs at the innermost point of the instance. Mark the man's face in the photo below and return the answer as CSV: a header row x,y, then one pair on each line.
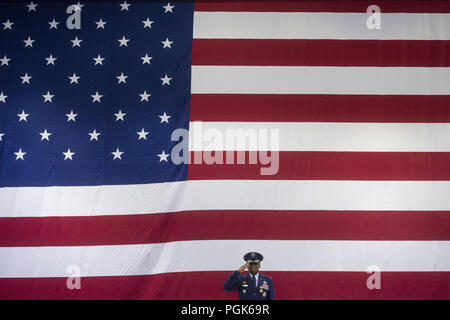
x,y
253,267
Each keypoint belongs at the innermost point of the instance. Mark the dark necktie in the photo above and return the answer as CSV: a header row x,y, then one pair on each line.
x,y
253,282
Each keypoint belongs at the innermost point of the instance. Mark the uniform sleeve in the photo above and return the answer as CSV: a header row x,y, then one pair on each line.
x,y
271,291
232,282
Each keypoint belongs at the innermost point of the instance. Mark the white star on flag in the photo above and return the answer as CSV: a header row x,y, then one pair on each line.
x,y
168,7
53,24
96,97
31,6
94,135
120,115
74,79
51,60
19,154
71,116
163,156
45,135
28,42
122,78
146,59
164,118
148,23
3,97
5,60
167,43
26,78
124,6
48,97
144,96
68,154
142,134
166,80
101,24
98,60
123,41
7,25
23,116
78,6
117,154
1,135
76,42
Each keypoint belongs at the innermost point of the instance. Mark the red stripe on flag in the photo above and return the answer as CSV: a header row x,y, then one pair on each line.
x,y
320,108
221,225
324,6
265,52
208,285
325,165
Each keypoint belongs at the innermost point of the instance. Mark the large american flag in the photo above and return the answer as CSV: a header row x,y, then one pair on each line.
x,y
87,182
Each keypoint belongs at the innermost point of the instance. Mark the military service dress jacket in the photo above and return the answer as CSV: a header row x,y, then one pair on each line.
x,y
242,283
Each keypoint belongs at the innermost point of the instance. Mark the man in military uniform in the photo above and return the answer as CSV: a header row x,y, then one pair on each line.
x,y
252,286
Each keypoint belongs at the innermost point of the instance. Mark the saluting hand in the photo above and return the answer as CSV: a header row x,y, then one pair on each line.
x,y
243,267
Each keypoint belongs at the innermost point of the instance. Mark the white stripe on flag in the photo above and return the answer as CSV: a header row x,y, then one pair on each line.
x,y
225,195
319,136
320,80
320,25
215,255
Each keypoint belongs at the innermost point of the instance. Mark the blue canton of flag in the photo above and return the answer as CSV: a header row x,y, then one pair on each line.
x,y
94,105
